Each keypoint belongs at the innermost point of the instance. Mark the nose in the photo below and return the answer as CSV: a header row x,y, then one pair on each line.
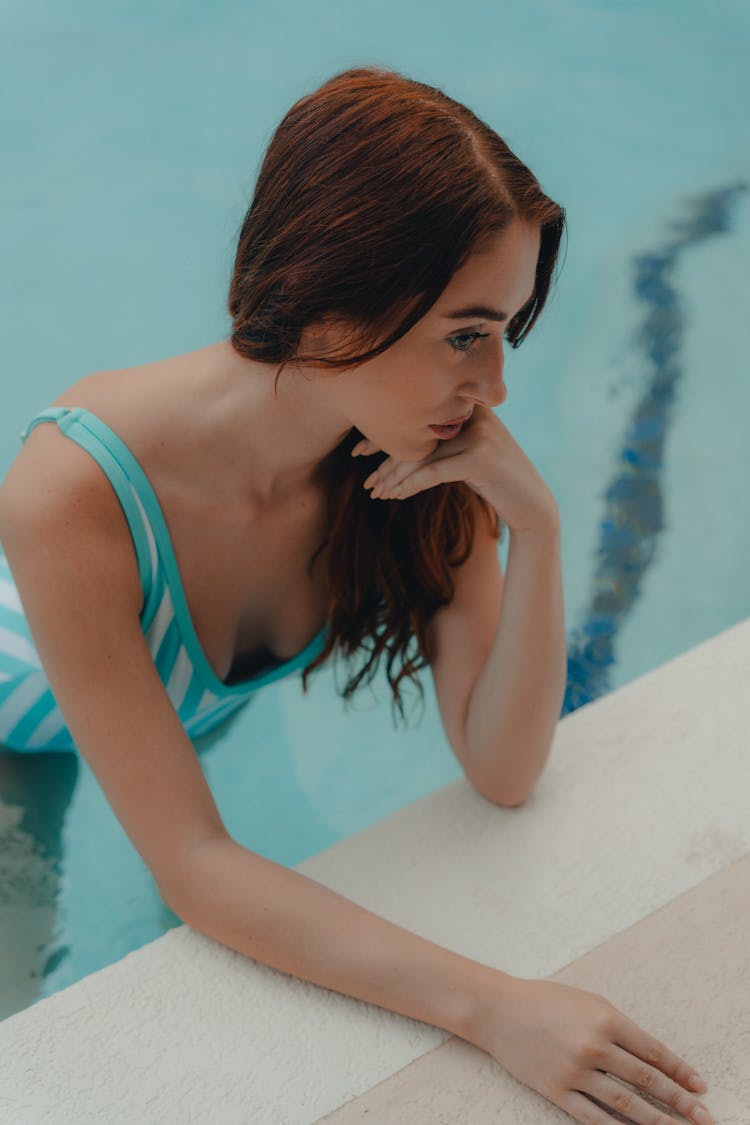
x,y
492,389
505,395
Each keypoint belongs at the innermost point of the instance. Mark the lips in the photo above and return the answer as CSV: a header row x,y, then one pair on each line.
x,y
453,421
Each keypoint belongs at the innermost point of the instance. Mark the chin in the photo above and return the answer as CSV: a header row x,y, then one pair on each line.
x,y
429,445
416,450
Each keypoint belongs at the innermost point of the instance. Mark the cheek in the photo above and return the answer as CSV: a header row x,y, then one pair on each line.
x,y
402,393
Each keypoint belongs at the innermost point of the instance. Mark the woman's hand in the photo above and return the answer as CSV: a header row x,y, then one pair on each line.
x,y
566,1042
484,455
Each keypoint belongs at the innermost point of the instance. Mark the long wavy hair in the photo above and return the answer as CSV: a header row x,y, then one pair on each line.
x,y
373,192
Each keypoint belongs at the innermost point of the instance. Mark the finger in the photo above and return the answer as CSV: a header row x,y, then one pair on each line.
x,y
377,475
583,1110
389,477
364,448
640,1074
395,478
638,1042
388,473
427,476
628,1102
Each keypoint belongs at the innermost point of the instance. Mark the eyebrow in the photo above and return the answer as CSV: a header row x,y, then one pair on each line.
x,y
481,312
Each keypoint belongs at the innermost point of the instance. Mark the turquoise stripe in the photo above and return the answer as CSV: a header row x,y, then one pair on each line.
x,y
113,458
14,620
12,666
68,420
151,602
63,740
206,722
25,727
154,601
17,625
168,649
193,696
6,687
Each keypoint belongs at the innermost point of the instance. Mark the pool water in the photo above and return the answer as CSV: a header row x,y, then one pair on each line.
x,y
135,138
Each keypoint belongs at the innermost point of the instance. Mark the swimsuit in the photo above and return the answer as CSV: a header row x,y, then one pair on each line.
x,y
29,716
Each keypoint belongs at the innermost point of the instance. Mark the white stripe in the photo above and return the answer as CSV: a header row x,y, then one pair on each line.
x,y
229,706
4,677
160,624
50,725
202,722
14,645
149,535
195,727
19,702
9,596
179,680
208,699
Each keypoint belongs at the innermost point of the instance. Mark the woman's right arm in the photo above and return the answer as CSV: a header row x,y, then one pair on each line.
x,y
72,558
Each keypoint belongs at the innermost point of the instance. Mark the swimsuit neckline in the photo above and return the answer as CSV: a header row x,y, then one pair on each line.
x,y
158,522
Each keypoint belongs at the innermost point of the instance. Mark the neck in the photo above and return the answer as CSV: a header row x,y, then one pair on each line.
x,y
275,442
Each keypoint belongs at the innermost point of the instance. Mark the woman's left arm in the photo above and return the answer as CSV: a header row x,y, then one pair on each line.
x,y
515,703
500,719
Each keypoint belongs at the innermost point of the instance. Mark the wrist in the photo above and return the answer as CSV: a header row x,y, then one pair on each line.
x,y
486,994
499,999
546,526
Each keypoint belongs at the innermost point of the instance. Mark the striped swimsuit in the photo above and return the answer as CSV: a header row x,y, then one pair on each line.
x,y
29,716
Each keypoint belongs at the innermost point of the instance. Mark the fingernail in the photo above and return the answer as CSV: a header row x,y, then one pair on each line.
x,y
696,1081
701,1116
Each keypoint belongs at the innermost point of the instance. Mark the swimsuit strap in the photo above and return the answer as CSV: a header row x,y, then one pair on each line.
x,y
124,474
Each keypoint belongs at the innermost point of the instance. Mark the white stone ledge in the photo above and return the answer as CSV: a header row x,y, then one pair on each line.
x,y
646,794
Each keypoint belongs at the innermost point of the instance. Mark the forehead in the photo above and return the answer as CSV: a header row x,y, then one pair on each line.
x,y
500,273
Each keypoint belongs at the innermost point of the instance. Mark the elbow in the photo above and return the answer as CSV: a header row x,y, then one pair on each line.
x,y
506,798
508,792
187,882
515,788
506,780
505,801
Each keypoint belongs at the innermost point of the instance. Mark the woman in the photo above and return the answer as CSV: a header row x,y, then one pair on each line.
x,y
393,241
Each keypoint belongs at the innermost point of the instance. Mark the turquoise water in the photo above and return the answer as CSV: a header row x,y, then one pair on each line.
x,y
134,141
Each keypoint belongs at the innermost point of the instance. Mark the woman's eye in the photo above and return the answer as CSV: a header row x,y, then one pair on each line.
x,y
472,337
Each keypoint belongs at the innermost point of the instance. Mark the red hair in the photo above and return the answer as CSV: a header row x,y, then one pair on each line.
x,y
373,192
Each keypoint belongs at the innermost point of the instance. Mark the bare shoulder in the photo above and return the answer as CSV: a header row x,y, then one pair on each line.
x,y
48,455
57,495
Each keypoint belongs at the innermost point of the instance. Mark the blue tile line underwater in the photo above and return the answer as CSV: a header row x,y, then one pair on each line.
x,y
633,500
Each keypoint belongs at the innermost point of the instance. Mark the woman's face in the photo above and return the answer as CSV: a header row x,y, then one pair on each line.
x,y
446,363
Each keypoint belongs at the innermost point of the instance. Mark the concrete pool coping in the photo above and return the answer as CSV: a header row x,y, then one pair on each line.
x,y
627,872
